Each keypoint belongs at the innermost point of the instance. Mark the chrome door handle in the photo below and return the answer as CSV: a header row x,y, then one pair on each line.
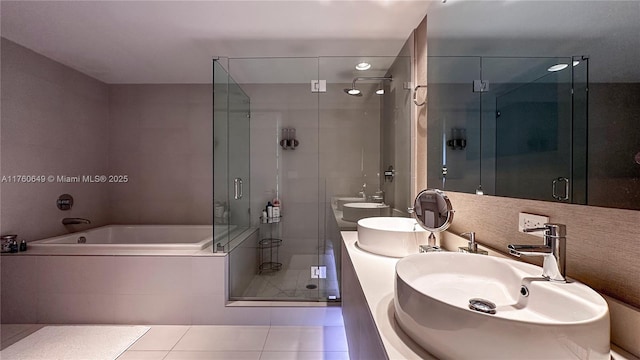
x,y
555,189
237,188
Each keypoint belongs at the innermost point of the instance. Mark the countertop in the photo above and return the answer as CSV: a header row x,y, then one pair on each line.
x,y
376,274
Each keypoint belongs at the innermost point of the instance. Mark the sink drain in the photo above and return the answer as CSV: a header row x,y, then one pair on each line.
x,y
482,305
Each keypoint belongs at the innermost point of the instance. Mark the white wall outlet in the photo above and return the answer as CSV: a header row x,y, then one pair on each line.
x,y
526,221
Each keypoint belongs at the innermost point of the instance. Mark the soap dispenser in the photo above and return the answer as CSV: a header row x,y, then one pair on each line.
x,y
472,246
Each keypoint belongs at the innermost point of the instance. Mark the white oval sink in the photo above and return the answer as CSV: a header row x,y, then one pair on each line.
x,y
390,236
346,200
555,320
356,211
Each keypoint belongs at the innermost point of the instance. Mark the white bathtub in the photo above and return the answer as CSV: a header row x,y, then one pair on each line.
x,y
118,238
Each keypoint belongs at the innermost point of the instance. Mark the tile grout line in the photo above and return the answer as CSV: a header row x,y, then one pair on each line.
x,y
265,339
174,345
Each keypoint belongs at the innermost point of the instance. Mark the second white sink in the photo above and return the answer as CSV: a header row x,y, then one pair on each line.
x,y
356,211
390,236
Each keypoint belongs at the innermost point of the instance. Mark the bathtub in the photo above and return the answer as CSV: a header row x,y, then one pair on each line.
x,y
136,238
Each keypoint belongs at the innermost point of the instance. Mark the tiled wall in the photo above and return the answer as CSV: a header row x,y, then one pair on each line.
x,y
158,290
54,122
339,142
291,175
57,121
162,137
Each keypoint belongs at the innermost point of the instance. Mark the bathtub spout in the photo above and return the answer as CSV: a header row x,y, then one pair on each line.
x,y
73,221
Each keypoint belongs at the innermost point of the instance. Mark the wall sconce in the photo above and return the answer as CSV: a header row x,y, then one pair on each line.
x,y
289,141
458,139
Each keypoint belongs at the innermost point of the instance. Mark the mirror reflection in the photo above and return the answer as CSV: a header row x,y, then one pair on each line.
x,y
546,112
433,211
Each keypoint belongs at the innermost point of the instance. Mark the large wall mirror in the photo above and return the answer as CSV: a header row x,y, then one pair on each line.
x,y
536,100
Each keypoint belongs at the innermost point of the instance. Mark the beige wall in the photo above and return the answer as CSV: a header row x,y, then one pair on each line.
x,y
339,143
58,121
419,127
161,136
54,122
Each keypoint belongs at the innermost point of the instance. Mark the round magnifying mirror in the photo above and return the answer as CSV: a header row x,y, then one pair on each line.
x,y
432,209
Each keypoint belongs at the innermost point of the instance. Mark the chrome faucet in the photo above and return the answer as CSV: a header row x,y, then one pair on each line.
x,y
363,193
73,221
553,251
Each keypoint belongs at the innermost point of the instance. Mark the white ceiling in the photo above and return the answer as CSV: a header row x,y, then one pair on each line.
x,y
608,31
174,41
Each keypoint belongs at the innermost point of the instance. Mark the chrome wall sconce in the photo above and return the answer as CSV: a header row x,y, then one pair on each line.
x,y
289,141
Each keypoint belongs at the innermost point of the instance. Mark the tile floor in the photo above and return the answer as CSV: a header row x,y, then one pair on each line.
x,y
175,342
291,282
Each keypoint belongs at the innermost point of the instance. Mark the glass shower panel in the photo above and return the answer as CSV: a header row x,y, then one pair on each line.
x,y
453,123
239,159
284,166
530,107
220,153
580,134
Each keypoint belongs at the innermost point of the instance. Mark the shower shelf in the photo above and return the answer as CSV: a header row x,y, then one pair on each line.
x,y
268,248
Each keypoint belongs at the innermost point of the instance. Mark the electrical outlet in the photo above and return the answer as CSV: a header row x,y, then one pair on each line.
x,y
526,221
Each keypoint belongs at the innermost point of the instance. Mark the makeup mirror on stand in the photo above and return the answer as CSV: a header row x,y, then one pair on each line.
x,y
433,211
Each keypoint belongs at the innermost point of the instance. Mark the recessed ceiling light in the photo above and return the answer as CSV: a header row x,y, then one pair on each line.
x,y
557,67
354,92
380,91
576,62
363,66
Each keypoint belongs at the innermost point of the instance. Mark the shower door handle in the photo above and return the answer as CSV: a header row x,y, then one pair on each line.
x,y
237,188
555,189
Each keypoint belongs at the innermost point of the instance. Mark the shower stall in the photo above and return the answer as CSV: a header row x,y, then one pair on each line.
x,y
286,132
509,126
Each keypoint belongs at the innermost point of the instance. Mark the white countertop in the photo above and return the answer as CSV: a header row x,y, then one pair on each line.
x,y
376,274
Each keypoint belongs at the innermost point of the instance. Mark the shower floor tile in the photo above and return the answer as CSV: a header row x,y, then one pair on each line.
x,y
291,282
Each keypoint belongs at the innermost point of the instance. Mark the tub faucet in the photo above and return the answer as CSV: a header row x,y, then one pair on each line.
x,y
73,221
553,251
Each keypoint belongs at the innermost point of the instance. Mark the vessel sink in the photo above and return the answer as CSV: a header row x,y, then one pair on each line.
x,y
390,236
356,211
534,318
346,200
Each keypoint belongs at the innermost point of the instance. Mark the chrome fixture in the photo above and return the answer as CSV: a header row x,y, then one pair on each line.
x,y
355,92
553,250
389,174
482,305
472,247
74,221
363,193
64,202
238,187
429,248
289,141
554,189
415,94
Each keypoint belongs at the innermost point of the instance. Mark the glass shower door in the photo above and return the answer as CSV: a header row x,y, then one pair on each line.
x,y
220,154
532,128
239,159
231,165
